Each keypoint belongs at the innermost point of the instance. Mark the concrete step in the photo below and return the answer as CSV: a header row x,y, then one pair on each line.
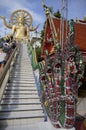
x,y
21,73
18,71
21,88
21,114
21,60
27,64
23,69
12,92
20,101
21,65
22,82
21,76
21,96
21,85
22,107
11,124
35,126
21,79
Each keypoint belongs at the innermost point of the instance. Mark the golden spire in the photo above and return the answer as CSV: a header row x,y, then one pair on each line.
x,y
46,8
47,11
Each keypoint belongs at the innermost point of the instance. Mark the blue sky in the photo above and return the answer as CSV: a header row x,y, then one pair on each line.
x,y
76,8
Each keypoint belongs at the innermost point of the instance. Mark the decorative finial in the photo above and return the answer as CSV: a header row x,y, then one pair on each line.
x,y
46,8
84,18
77,20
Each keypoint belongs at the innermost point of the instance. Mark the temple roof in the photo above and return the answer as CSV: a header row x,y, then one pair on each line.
x,y
79,29
80,35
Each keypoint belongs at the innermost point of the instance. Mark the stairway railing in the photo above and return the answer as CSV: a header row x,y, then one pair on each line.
x,y
6,71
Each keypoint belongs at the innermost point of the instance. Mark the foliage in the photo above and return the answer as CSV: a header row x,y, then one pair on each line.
x,y
2,40
42,33
57,14
51,10
38,53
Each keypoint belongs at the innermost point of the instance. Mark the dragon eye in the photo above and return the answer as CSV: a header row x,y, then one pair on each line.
x,y
49,71
57,66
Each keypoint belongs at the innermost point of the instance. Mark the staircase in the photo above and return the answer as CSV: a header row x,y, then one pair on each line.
x,y
20,104
20,107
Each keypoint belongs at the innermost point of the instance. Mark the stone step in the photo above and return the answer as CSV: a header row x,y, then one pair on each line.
x,y
21,85
22,73
18,107
20,101
27,65
21,114
21,82
20,65
11,124
21,76
21,88
21,79
20,60
21,68
23,59
20,92
21,96
37,126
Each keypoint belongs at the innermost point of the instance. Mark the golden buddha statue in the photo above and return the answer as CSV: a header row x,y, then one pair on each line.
x,y
20,21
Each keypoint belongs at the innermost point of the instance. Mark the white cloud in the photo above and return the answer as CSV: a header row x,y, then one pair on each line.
x,y
15,5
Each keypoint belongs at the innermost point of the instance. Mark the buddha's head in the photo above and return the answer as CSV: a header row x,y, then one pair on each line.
x,y
21,18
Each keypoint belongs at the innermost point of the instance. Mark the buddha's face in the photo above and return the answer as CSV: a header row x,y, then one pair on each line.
x,y
21,20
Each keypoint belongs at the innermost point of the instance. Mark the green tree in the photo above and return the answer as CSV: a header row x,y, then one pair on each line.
x,y
57,14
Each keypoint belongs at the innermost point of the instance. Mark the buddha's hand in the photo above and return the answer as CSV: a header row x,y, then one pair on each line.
x,y
3,17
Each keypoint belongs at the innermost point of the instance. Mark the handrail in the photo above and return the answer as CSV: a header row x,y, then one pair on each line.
x,y
7,66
